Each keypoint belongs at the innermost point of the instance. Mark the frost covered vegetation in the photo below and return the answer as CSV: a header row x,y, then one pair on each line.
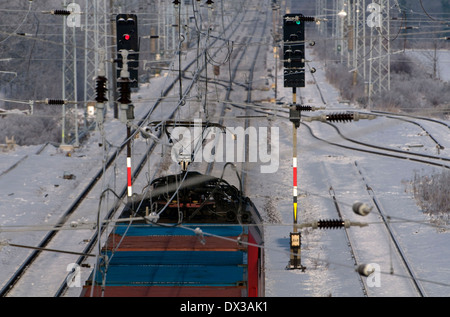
x,y
415,83
42,127
413,89
33,70
432,193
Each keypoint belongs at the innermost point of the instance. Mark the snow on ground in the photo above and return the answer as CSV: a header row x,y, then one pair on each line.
x,y
35,192
330,268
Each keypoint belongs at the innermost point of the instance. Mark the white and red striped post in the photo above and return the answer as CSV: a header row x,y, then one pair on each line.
x,y
129,184
295,236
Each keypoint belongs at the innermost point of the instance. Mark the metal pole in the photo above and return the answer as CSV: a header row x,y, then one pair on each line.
x,y
295,243
63,123
75,87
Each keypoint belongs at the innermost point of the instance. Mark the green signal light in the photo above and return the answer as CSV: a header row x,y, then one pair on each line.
x,y
298,22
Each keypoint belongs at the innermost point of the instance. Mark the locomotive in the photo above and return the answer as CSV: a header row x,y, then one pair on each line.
x,y
189,235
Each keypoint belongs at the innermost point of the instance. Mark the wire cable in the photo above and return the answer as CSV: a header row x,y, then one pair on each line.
x,y
30,3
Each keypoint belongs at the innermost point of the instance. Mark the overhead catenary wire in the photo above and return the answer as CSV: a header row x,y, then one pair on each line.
x,y
20,24
230,117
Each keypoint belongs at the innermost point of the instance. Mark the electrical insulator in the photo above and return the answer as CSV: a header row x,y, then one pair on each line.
x,y
330,224
303,108
340,117
307,19
365,269
55,101
361,209
61,12
125,93
101,89
199,234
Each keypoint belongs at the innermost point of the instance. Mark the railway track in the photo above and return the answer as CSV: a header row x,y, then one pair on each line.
x,y
402,270
49,239
405,268
439,146
378,243
87,250
248,87
395,115
388,152
22,159
397,254
409,269
438,161
412,119
352,250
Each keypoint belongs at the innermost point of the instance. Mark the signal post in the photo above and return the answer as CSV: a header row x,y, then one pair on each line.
x,y
128,63
294,76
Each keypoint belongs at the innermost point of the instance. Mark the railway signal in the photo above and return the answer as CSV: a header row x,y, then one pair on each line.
x,y
294,50
127,112
294,76
295,241
127,38
127,32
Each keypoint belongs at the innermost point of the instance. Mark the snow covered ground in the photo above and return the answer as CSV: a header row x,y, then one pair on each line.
x,y
330,267
35,192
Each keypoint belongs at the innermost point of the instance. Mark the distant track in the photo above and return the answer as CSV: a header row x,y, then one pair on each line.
x,y
402,118
6,289
437,158
406,155
12,167
248,100
394,115
411,156
142,163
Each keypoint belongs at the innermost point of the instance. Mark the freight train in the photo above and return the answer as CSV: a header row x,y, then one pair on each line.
x,y
191,235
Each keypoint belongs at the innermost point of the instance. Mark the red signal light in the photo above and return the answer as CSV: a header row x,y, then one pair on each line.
x,y
126,37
